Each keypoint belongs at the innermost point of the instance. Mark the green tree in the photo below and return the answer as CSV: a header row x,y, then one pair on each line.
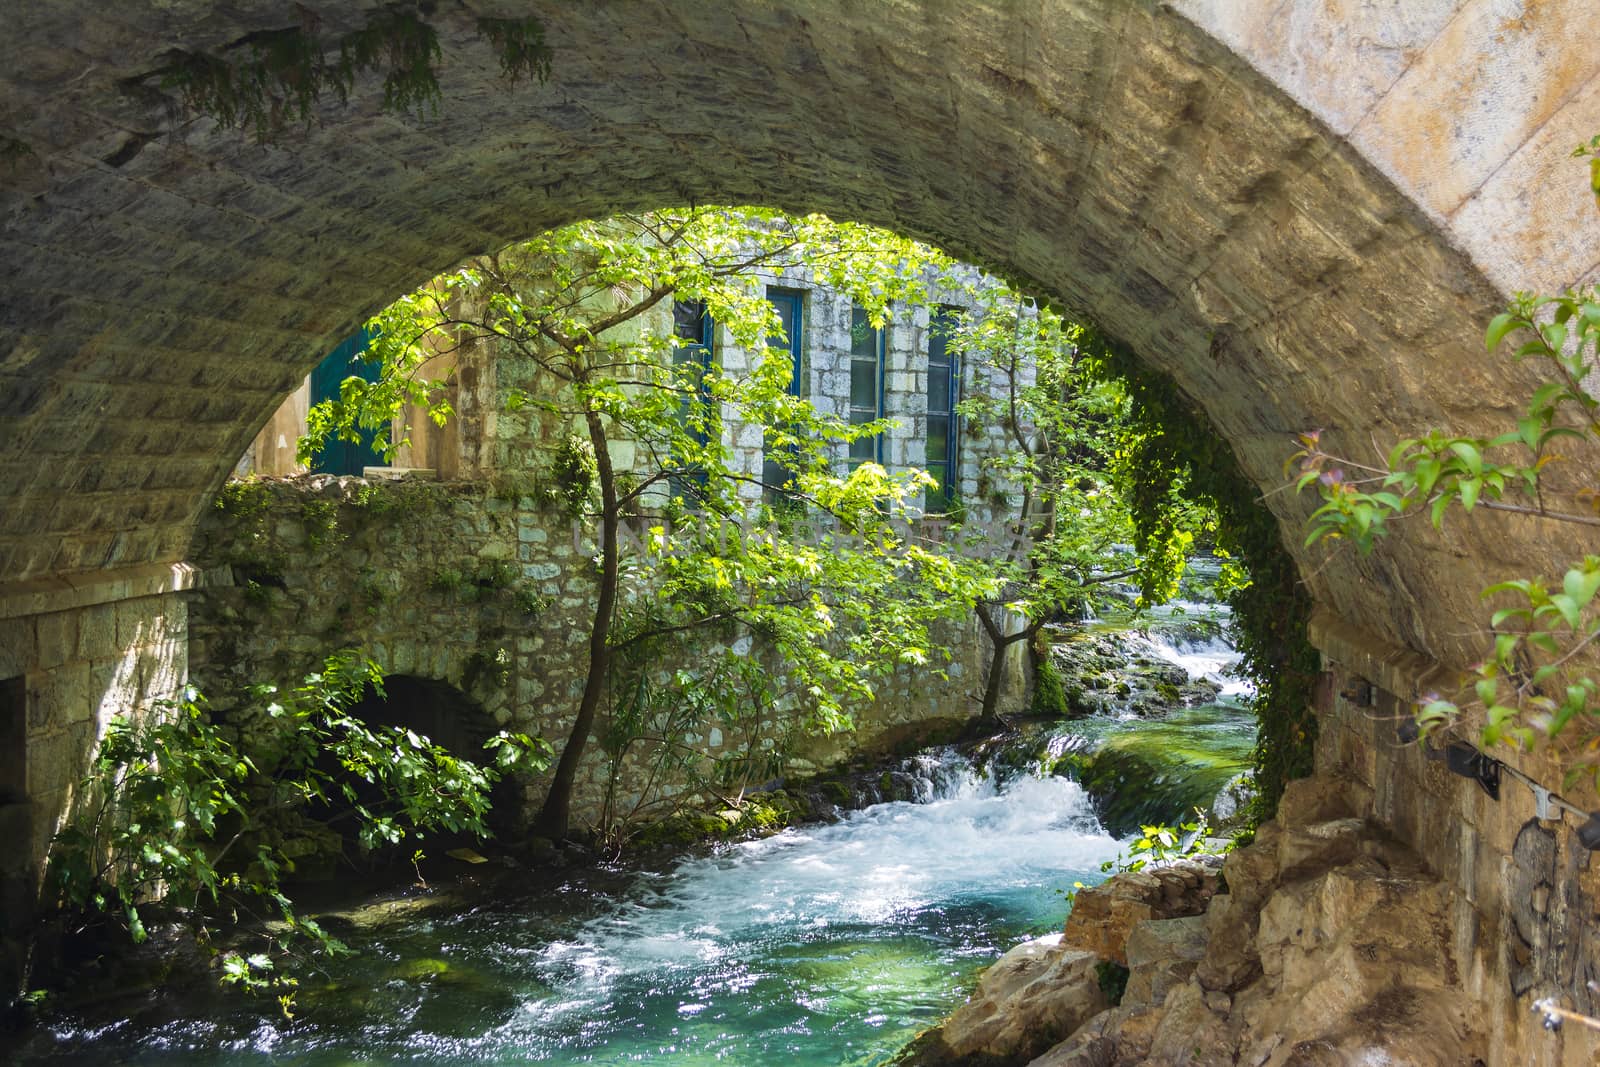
x,y
827,576
1055,544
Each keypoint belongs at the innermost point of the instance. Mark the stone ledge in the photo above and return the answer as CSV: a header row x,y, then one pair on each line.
x,y
41,596
1402,671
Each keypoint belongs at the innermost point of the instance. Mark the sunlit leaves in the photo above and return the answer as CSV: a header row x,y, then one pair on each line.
x,y
1535,680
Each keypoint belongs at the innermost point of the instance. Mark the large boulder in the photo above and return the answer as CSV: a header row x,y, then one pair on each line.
x,y
1102,916
1330,947
1030,999
1120,1035
1162,954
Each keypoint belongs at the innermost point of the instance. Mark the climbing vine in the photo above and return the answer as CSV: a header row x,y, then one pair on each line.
x,y
1173,449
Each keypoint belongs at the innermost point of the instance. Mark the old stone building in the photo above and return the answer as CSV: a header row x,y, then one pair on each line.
x,y
459,577
906,371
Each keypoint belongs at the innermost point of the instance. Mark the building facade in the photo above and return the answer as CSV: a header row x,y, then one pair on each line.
x,y
907,371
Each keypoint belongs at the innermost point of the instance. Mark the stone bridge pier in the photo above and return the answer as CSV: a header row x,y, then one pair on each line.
x,y
1304,211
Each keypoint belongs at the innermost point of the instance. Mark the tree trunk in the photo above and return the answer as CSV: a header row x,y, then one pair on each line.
x,y
554,818
999,643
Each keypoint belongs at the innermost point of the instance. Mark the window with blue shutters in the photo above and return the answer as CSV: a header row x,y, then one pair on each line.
x,y
691,365
866,385
944,393
790,306
336,456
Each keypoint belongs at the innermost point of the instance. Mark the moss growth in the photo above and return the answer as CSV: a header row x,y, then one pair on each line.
x,y
13,152
1113,979
243,498
521,44
1158,771
575,473
836,793
320,517
1049,694
529,600
274,77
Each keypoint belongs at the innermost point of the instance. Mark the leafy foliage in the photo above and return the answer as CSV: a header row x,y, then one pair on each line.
x,y
521,43
824,574
177,811
1157,845
1059,549
1535,680
657,710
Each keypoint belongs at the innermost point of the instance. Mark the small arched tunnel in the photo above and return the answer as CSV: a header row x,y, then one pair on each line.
x,y
447,717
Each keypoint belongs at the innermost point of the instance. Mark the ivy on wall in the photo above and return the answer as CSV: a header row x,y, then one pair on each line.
x,y
1175,447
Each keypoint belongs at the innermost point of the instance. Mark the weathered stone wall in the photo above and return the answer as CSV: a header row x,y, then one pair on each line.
x,y
491,594
1305,211
1525,912
72,656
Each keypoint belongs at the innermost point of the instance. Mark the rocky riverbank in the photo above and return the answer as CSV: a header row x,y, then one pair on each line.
x,y
1320,943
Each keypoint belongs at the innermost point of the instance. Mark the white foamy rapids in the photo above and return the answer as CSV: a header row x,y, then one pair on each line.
x,y
875,867
1211,658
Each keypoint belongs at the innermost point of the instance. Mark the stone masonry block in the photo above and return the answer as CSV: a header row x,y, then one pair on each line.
x,y
17,647
57,639
97,632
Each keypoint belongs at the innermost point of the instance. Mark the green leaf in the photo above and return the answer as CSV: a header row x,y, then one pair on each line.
x,y
1469,454
1499,326
1569,608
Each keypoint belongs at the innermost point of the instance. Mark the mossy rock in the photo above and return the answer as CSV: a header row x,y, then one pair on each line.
x,y
420,969
836,792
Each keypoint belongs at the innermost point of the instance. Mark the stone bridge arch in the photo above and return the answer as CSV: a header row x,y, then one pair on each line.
x,y
1303,211
1304,215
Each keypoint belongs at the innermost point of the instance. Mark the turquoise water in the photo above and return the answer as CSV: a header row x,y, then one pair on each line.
x,y
825,945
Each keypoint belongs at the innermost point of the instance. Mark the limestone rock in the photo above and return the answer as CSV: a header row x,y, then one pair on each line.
x,y
1102,916
1304,850
1034,996
1118,1036
1190,1032
1230,959
1333,946
1319,798
1162,954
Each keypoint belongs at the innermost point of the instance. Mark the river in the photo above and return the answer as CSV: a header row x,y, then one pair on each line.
x,y
824,945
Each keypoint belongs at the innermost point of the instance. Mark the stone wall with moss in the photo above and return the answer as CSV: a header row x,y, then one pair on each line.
x,y
487,587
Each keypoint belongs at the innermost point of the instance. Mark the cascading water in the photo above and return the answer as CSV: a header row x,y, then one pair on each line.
x,y
823,945
1170,729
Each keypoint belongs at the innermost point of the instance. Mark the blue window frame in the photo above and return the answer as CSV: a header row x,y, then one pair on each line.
x,y
692,325
944,393
335,456
867,345
790,306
